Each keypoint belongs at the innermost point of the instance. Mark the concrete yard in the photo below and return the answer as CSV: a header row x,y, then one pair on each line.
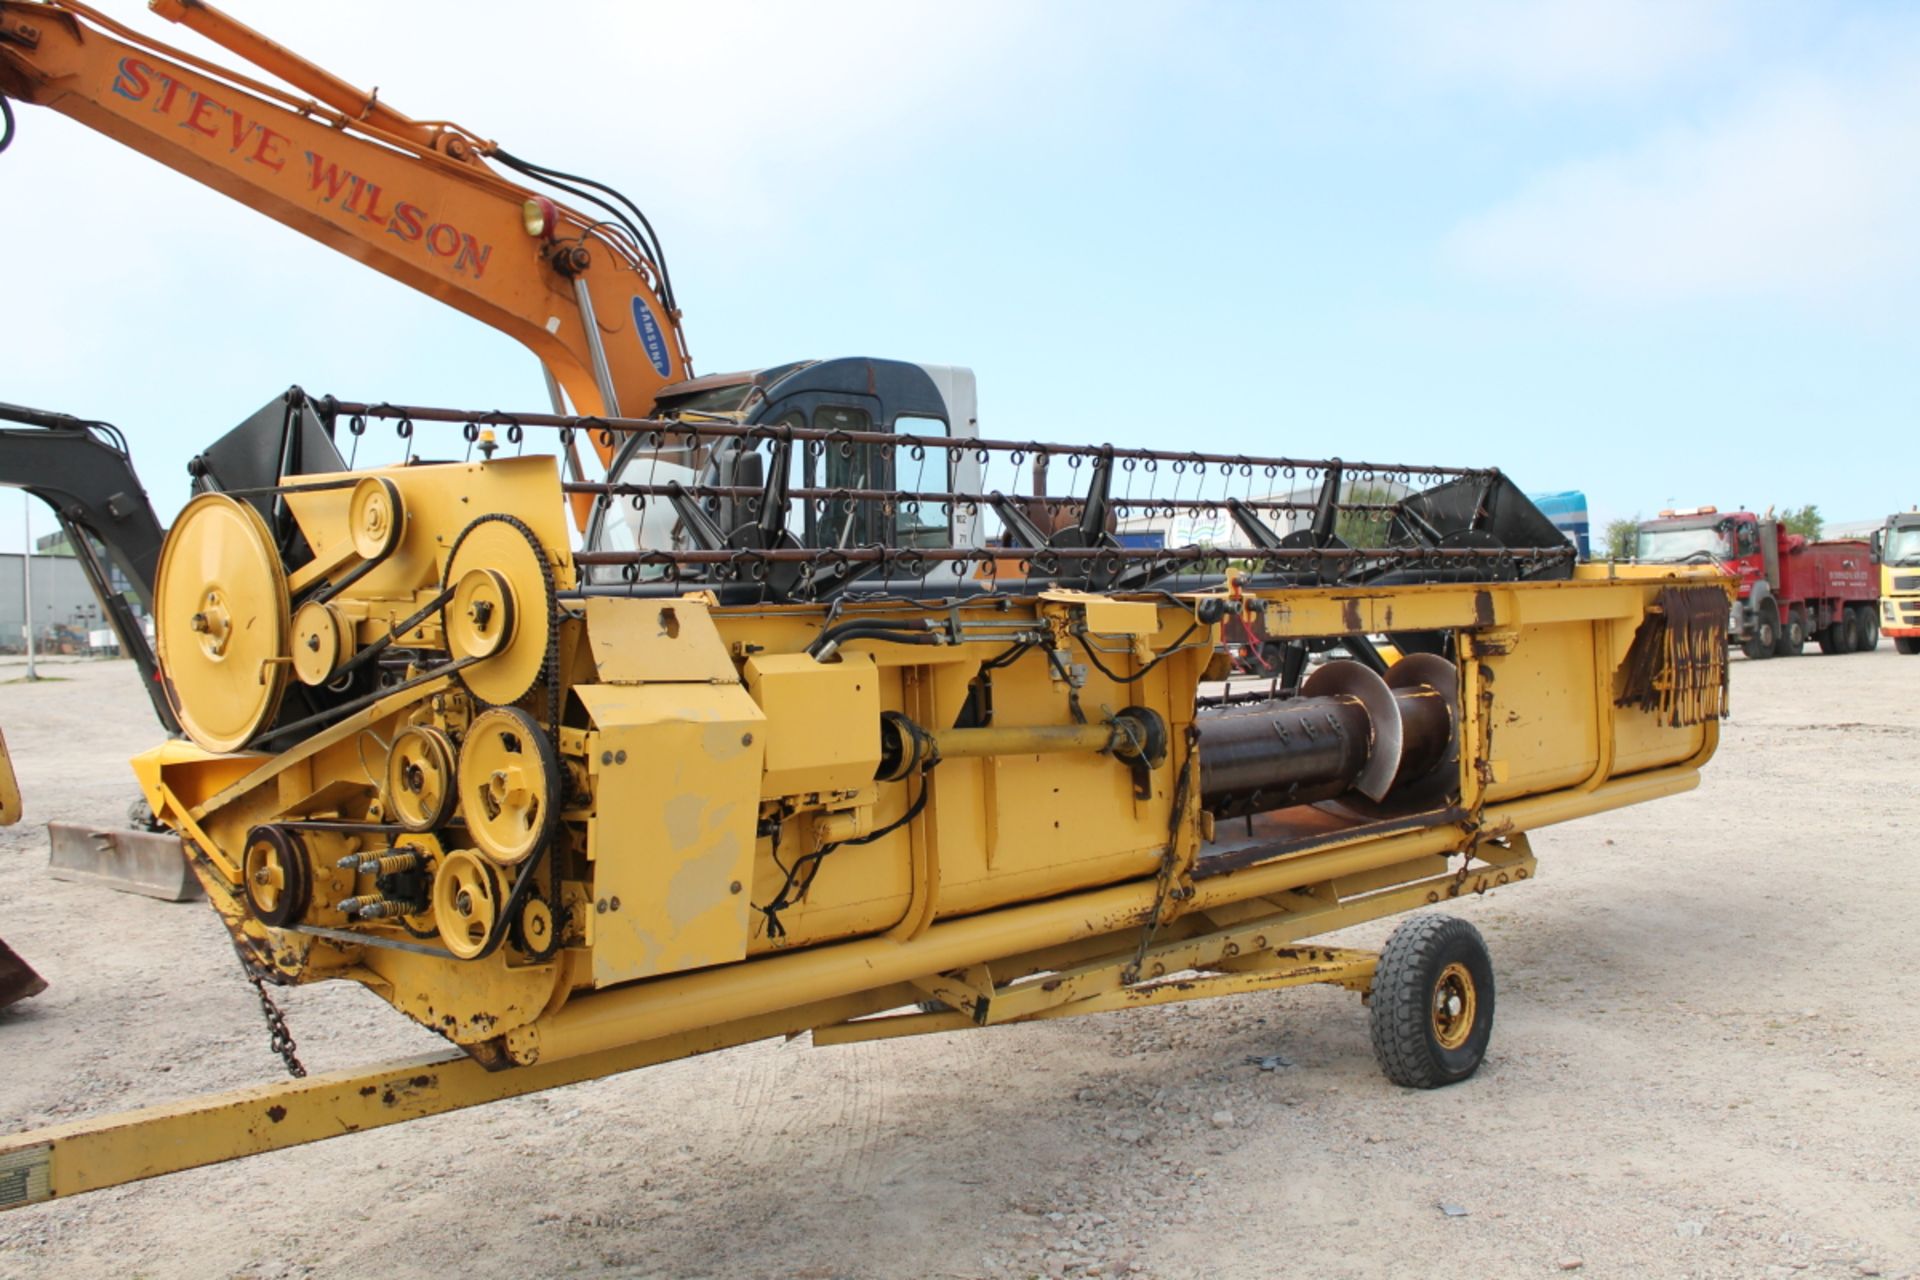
x,y
1706,1063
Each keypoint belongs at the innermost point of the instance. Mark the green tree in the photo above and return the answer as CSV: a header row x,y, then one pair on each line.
x,y
1620,537
1806,522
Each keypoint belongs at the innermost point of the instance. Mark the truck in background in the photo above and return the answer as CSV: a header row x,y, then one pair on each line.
x,y
1897,546
1792,589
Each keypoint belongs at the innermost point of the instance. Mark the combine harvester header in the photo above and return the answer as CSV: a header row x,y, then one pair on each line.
x,y
825,727
811,762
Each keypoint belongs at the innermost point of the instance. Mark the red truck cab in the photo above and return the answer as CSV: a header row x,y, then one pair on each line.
x,y
1792,588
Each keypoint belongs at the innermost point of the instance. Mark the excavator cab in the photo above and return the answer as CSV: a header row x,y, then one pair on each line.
x,y
668,496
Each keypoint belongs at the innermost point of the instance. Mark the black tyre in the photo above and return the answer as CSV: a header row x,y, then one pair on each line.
x,y
1909,645
1793,635
1849,625
1828,636
1432,1003
1766,632
1869,628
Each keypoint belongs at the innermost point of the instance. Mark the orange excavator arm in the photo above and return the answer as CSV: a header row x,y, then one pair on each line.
x,y
422,202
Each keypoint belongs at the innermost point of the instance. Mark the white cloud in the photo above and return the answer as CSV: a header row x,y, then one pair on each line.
x,y
749,111
1561,46
1809,190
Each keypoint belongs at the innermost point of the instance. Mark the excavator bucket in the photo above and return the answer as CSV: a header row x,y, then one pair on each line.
x,y
145,862
17,978
9,788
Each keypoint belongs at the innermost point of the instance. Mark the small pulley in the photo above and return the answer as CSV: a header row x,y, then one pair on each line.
x,y
323,641
509,785
278,879
467,902
376,518
420,778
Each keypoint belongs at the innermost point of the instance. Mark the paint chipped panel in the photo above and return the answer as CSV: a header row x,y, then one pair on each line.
x,y
678,782
656,640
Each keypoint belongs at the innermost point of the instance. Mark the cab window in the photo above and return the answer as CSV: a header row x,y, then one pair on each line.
x,y
930,525
858,466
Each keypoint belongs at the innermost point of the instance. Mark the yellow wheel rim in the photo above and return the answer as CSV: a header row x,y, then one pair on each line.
x,y
220,622
1455,1001
507,784
376,519
420,778
466,902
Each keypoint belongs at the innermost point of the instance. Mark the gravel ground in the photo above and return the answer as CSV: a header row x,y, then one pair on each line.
x,y
1705,1065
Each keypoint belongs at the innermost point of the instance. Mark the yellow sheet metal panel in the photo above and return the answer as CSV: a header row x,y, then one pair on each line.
x,y
437,503
1107,616
1641,742
676,783
1544,713
657,640
823,722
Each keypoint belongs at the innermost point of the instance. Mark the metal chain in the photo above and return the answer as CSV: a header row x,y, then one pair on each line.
x,y
1169,862
278,1036
556,906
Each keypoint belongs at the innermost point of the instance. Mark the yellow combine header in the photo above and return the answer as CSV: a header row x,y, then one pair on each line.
x,y
791,756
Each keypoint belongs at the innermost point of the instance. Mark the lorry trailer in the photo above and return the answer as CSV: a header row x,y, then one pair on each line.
x,y
1790,589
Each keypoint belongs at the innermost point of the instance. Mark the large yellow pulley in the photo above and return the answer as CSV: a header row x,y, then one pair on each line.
x,y
500,615
220,622
509,784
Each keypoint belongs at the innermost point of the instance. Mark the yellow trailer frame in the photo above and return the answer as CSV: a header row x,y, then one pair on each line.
x,y
1259,953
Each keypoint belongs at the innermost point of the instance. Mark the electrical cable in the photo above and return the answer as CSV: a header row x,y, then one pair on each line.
x,y
794,889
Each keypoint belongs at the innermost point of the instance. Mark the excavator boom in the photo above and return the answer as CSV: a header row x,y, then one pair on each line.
x,y
419,202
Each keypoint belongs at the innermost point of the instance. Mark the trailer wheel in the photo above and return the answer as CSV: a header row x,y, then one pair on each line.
x,y
1909,645
1431,1011
1766,632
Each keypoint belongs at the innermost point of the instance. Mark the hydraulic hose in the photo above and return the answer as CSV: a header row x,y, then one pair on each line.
x,y
911,631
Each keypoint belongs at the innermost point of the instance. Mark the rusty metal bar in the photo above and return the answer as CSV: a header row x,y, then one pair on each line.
x,y
695,432
1435,556
1127,506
